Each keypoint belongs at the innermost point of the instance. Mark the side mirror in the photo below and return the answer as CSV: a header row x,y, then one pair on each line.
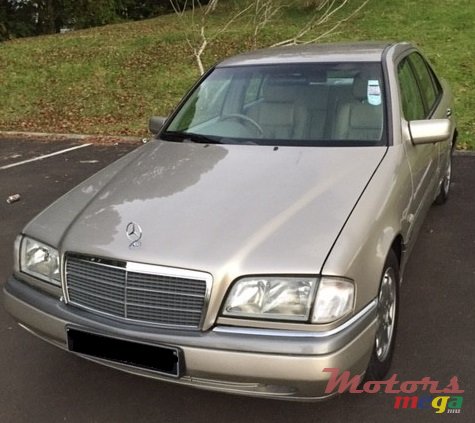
x,y
156,123
430,131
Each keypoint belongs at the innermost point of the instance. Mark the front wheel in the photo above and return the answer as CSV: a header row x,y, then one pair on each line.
x,y
388,309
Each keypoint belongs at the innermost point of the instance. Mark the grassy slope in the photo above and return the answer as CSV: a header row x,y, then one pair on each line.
x,y
445,30
110,79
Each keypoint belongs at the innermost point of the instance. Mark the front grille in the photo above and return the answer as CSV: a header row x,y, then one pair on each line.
x,y
156,295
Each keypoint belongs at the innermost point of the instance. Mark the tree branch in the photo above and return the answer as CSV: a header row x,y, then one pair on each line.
x,y
330,10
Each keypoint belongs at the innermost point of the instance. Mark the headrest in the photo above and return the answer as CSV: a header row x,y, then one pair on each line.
x,y
360,87
365,116
279,91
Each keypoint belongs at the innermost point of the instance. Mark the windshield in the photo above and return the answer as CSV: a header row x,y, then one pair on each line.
x,y
337,104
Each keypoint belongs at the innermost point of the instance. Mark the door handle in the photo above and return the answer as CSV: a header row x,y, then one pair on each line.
x,y
448,113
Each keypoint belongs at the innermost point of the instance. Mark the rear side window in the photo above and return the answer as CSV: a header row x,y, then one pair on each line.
x,y
427,83
412,105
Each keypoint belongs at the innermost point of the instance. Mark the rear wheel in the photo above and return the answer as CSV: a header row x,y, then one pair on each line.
x,y
388,300
444,188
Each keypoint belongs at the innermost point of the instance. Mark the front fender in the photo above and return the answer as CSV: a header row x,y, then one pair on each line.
x,y
379,217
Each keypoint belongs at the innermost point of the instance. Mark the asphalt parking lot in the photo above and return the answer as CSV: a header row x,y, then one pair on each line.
x,y
40,383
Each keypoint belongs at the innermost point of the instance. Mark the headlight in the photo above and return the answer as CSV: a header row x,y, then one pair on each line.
x,y
334,300
40,260
277,298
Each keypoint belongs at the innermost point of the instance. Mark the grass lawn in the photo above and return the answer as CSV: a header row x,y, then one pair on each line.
x,y
109,80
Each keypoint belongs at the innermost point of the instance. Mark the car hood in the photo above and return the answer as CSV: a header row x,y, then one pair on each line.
x,y
226,209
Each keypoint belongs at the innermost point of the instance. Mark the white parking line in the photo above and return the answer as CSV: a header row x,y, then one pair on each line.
x,y
45,156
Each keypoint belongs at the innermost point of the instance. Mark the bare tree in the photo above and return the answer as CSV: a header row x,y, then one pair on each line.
x,y
263,12
322,14
199,34
195,19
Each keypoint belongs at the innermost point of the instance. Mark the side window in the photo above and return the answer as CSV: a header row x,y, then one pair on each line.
x,y
412,105
426,81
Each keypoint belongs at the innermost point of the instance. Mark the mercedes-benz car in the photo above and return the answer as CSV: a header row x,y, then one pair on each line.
x,y
260,238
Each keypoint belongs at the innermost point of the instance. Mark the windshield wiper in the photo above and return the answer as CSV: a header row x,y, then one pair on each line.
x,y
191,137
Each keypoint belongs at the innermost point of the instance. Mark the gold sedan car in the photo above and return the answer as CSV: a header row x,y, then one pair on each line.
x,y
260,238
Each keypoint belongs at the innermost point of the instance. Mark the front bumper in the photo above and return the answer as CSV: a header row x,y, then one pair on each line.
x,y
267,363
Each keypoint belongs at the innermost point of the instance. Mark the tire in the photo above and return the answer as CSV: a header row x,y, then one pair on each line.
x,y
444,188
388,312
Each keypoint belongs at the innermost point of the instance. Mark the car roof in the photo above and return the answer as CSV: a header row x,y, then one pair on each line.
x,y
331,52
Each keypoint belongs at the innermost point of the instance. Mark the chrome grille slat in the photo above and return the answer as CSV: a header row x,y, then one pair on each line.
x,y
92,265
91,281
161,298
166,283
164,318
152,298
79,285
95,303
161,291
180,310
93,276
96,295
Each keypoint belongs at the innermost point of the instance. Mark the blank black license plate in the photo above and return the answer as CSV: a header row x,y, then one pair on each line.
x,y
160,359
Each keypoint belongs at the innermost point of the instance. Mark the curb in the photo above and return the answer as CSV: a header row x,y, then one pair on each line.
x,y
96,139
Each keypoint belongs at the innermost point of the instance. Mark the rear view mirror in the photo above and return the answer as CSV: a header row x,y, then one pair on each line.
x,y
156,123
430,131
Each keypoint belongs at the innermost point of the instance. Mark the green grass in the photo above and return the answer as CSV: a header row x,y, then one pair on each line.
x,y
445,31
109,80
